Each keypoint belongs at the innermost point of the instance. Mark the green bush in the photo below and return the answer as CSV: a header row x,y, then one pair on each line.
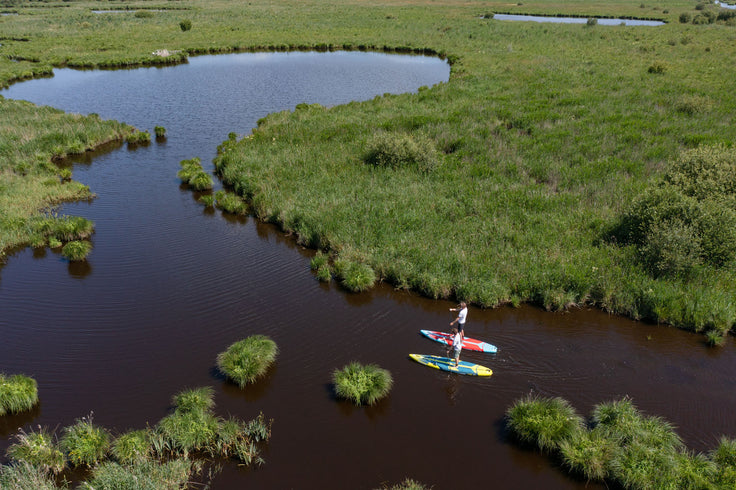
x,y
355,276
132,447
18,393
685,17
143,14
362,384
37,449
544,422
84,443
248,359
77,250
185,25
398,150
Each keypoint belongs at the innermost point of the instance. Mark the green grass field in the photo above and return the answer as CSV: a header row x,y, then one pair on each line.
x,y
519,167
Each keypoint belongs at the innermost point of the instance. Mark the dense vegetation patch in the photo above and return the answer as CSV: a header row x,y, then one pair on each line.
x,y
362,384
247,360
619,445
18,393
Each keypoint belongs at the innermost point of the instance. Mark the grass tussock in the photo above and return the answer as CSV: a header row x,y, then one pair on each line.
x,y
76,250
84,443
194,175
38,449
132,447
18,393
620,446
362,384
25,476
247,360
143,475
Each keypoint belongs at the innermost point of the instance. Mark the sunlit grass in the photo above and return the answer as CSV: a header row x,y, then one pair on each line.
x,y
362,384
84,443
248,359
38,449
18,393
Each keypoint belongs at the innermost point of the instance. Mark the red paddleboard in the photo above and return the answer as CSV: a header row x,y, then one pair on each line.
x,y
468,343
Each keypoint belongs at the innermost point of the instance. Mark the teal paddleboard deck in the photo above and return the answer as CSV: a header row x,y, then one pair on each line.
x,y
447,364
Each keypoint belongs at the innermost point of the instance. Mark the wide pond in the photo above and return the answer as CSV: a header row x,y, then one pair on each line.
x,y
169,285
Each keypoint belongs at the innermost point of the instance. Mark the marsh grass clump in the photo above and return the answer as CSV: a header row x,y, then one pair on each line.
x,y
354,276
543,422
658,68
185,25
25,476
186,431
143,14
18,393
399,150
715,338
138,138
230,203
39,449
143,475
363,385
195,400
248,359
194,175
321,265
159,131
208,200
84,443
63,228
587,453
132,447
76,250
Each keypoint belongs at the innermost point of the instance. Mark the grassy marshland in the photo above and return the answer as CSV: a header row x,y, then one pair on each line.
x,y
247,360
501,186
362,384
619,446
18,393
150,458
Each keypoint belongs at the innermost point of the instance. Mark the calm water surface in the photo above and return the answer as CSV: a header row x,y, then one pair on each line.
x,y
169,285
576,20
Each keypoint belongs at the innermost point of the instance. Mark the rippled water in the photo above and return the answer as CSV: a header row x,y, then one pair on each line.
x,y
169,285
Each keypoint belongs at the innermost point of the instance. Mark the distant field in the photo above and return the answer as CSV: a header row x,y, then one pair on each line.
x,y
503,186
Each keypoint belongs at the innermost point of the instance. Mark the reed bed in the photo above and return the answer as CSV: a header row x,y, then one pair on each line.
x,y
619,446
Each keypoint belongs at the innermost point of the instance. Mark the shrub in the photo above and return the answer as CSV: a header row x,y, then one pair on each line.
x,y
37,449
248,359
354,276
685,17
185,25
544,422
671,249
18,393
84,443
362,384
132,447
25,476
76,250
397,150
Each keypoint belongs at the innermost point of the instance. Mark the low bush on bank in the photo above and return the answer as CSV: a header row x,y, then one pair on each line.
x,y
84,443
38,449
620,446
248,359
76,250
363,385
18,393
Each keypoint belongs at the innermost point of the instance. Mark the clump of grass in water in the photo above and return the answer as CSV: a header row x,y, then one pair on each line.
x,y
354,276
84,443
77,250
39,450
159,131
139,138
193,174
18,393
132,447
544,422
64,228
230,203
248,359
320,264
192,426
362,384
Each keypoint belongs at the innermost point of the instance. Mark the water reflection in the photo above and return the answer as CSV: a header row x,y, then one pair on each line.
x,y
577,20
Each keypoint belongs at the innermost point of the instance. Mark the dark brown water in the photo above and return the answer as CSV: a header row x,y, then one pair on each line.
x,y
168,286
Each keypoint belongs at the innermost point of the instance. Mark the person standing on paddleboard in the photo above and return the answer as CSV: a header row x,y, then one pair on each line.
x,y
457,346
462,315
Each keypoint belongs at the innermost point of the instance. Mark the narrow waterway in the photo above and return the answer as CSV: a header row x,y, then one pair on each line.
x,y
169,285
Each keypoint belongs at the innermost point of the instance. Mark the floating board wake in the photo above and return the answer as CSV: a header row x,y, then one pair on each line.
x,y
468,343
447,364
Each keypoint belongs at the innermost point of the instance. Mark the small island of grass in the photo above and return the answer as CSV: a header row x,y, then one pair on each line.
x,y
18,393
247,360
363,385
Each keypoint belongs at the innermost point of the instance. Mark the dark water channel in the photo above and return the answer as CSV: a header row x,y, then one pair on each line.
x,y
168,286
